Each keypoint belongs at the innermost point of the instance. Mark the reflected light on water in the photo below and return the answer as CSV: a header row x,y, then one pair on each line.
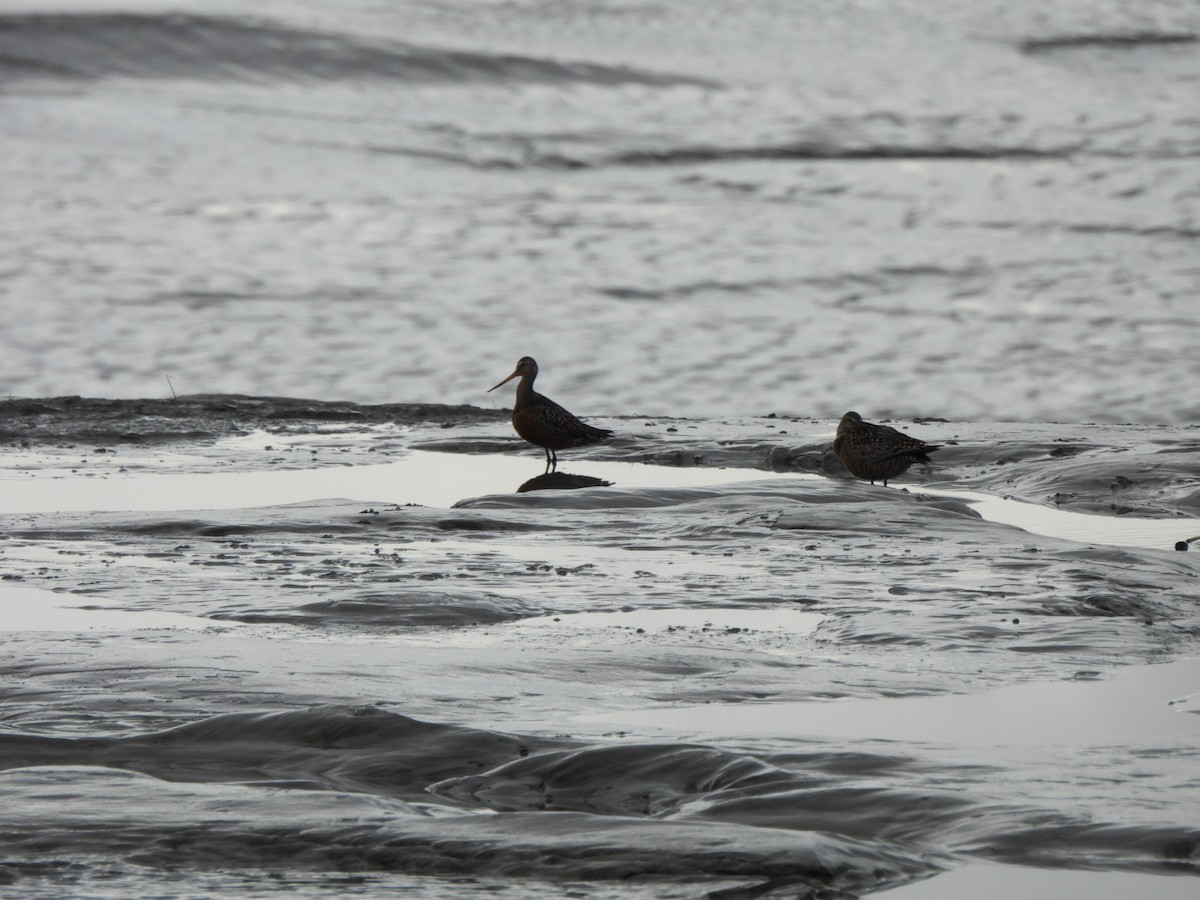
x,y
441,479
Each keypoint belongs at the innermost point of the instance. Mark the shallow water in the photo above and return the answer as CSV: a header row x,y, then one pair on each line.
x,y
343,642
984,212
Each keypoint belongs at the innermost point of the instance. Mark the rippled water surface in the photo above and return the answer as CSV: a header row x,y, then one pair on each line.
x,y
978,210
259,644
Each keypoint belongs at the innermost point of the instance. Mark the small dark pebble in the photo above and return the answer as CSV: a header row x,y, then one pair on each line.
x,y
1016,621
1181,545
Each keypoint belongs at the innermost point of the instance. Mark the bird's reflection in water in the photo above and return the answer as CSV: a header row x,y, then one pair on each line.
x,y
561,481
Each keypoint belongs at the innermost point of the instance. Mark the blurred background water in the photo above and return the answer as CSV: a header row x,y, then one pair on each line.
x,y
977,210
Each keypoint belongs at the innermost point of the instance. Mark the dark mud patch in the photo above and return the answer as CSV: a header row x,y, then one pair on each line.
x,y
1150,475
343,748
84,419
365,789
139,820
1104,469
1116,41
379,611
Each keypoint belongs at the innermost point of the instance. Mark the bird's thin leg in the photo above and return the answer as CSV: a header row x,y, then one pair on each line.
x,y
554,460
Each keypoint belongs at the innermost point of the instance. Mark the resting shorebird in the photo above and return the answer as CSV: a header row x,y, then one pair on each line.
x,y
877,452
543,422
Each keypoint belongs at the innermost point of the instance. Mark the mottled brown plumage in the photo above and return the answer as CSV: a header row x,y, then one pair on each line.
x,y
877,452
543,422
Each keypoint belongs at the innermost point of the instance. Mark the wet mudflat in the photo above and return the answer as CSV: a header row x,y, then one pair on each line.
x,y
257,643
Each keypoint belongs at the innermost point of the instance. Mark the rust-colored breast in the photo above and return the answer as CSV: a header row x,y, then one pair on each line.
x,y
544,423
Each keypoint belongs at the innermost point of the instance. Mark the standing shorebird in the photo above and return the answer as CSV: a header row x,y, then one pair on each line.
x,y
877,452
543,422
